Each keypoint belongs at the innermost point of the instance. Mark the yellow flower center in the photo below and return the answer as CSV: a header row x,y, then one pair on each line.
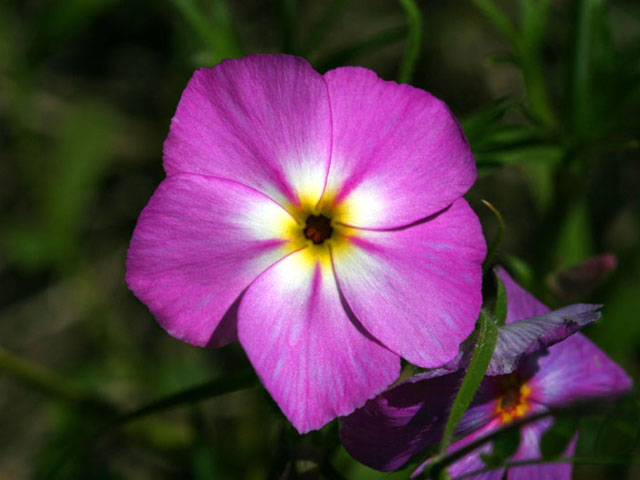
x,y
318,229
514,403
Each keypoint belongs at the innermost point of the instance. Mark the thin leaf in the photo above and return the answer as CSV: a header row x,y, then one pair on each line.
x,y
220,386
605,461
374,42
500,307
217,34
320,30
498,19
414,39
495,243
441,462
487,337
504,447
556,439
42,379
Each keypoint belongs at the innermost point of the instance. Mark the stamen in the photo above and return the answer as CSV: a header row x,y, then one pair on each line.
x,y
318,228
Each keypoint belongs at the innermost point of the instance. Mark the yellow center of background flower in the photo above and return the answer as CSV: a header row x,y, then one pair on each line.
x,y
514,403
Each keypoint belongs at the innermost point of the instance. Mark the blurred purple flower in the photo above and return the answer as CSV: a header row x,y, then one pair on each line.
x,y
408,418
580,280
319,220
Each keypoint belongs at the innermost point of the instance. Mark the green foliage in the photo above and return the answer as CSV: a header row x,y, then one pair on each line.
x,y
414,38
485,343
88,90
500,307
503,448
493,246
557,438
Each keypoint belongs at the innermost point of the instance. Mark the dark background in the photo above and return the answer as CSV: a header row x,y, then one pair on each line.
x,y
551,107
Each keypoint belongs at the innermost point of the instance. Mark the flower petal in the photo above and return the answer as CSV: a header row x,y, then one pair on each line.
x,y
315,360
400,422
262,120
572,370
398,153
520,303
521,338
517,339
471,462
198,244
529,449
408,418
418,289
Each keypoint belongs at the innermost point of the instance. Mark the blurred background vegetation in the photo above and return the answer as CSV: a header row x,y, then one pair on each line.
x,y
548,94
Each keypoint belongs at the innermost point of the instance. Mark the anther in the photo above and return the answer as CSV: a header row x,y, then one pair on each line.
x,y
318,228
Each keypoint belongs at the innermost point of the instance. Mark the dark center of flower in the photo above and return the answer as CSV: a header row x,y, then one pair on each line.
x,y
510,398
318,228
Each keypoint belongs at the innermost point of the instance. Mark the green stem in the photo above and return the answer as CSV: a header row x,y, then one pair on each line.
x,y
495,243
543,461
442,462
414,39
487,336
49,383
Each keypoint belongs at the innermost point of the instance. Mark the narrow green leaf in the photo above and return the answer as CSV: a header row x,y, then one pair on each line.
x,y
414,39
498,20
580,87
49,383
483,120
620,430
374,42
220,386
500,307
495,243
320,30
522,271
487,336
505,446
215,30
556,440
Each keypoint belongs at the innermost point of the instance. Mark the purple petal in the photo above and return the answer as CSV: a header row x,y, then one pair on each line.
x,y
398,153
313,358
408,418
405,419
198,244
574,369
471,462
520,303
520,338
262,120
418,289
529,449
523,337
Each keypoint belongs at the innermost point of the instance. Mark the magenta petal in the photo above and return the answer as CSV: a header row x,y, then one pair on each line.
x,y
520,303
315,361
408,418
471,462
529,449
198,244
262,120
574,369
417,289
398,152
400,422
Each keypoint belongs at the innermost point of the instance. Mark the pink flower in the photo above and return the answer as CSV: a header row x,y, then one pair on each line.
x,y
411,416
319,220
